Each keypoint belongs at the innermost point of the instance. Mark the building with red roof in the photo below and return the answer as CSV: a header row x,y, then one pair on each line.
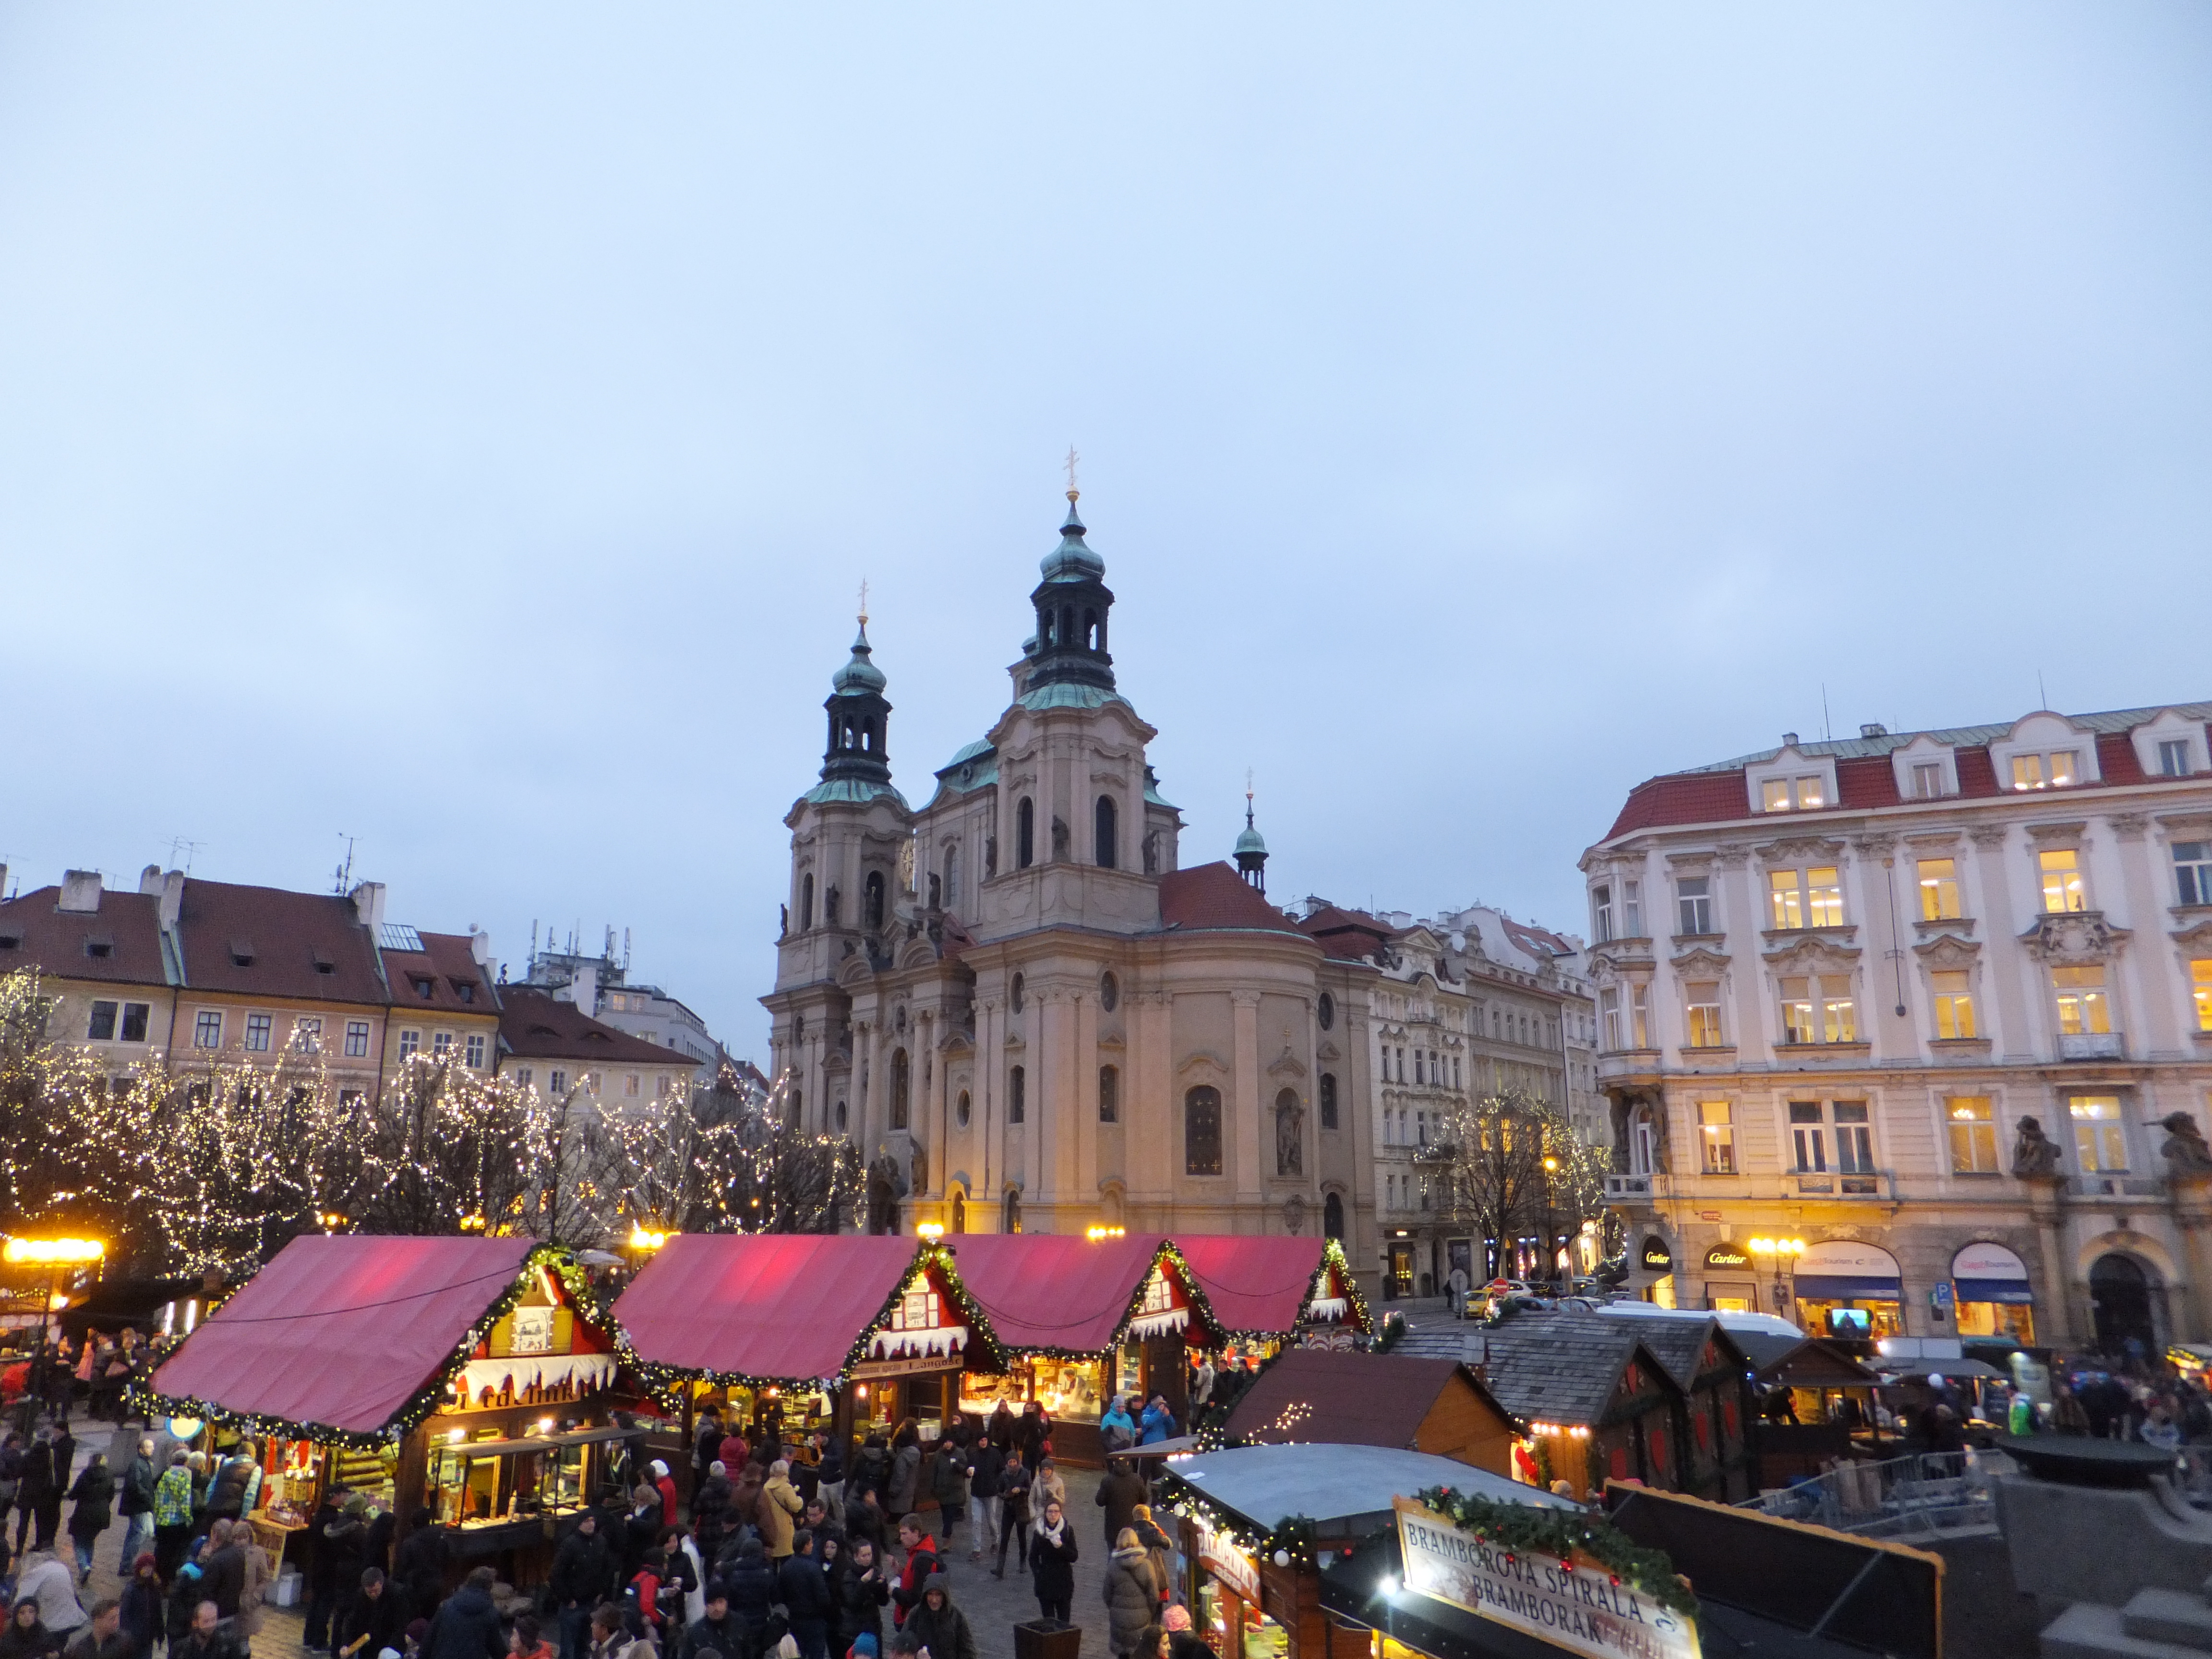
x,y
1933,1010
1023,1002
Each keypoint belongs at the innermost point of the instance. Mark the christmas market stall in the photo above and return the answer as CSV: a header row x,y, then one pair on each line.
x,y
1433,1405
1260,1524
1593,1400
1081,1318
1715,1406
806,1332
473,1377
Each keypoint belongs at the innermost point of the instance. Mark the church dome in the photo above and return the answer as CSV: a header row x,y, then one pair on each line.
x,y
1251,841
860,674
1071,562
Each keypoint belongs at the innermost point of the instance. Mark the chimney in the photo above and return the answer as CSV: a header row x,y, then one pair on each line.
x,y
479,947
173,898
149,880
1874,729
368,904
1789,739
583,990
81,892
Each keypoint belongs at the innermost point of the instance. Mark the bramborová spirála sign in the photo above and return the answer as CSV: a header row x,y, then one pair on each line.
x,y
1579,1608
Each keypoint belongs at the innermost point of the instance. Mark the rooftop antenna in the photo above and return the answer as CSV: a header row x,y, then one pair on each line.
x,y
178,844
343,876
2042,696
625,950
1825,732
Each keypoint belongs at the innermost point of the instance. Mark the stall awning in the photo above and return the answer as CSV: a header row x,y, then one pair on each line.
x,y
1056,1292
781,1307
1844,1269
1260,1285
342,1333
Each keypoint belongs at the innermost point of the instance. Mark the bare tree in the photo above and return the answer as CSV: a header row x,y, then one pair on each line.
x,y
446,1151
1511,1167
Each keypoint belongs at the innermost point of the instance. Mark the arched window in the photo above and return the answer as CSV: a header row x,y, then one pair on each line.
x,y
875,899
1110,1095
1109,992
902,1078
839,1117
1015,994
963,1110
1328,1100
1103,831
1332,1215
1024,834
1202,1131
952,874
806,901
1018,1096
959,1206
1091,631
1325,1011
1012,1220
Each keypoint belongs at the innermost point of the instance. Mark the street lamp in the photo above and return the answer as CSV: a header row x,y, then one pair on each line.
x,y
1784,1252
54,1254
1551,1225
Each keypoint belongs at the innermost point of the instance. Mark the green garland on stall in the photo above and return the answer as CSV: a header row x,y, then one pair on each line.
x,y
1393,1332
929,1254
419,1404
1293,1536
1169,1252
1560,1533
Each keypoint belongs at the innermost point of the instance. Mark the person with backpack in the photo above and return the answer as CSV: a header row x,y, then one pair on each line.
x,y
643,1592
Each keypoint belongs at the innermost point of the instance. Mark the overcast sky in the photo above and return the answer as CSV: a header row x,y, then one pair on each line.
x,y
465,427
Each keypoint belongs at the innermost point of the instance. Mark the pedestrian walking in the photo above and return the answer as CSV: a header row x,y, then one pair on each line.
x,y
940,1627
1052,1556
1013,1508
948,1485
1132,1597
863,1592
93,1496
985,1463
142,1600
1119,1493
135,1503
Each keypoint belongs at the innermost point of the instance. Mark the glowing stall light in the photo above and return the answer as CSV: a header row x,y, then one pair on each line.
x,y
52,1252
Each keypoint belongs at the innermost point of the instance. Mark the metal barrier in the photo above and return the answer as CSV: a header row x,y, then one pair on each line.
x,y
1928,1495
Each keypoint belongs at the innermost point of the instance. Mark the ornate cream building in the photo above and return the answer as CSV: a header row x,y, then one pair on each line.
x,y
1933,1010
1021,1006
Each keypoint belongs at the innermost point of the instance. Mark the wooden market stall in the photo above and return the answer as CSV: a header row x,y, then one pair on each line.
x,y
1254,1586
1715,1406
1434,1405
842,1334
473,1377
1594,1401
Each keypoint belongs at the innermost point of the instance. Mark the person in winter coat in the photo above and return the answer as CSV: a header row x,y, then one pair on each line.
x,y
1157,1544
1013,1502
578,1583
717,1630
863,1592
1031,1433
27,1636
46,1583
664,1484
1047,1487
948,1485
1133,1596
999,1430
142,1609
186,1592
344,1543
642,1593
865,1519
985,1463
135,1504
733,1452
805,1589
1052,1554
223,1561
418,1566
751,1583
1117,1429
235,1486
940,1627
744,1499
780,1510
872,1467
38,1494
1157,1424
920,1561
376,1619
93,1494
527,1639
705,1443
1119,1494
640,1526
172,1519
468,1625
258,1575
710,1511
902,1486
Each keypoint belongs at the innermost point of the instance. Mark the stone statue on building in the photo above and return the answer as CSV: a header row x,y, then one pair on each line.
x,y
1290,1136
783,921
886,1187
1058,840
2185,1154
2035,1154
1153,853
919,1169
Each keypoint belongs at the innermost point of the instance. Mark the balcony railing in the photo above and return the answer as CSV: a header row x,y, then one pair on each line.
x,y
2092,1045
1628,1186
1837,1183
2116,1186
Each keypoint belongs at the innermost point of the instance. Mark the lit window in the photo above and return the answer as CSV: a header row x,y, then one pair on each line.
x,y
2173,758
1789,906
2200,982
408,1042
1824,899
207,1029
2057,770
475,1051
629,1085
1601,911
1792,794
1704,998
1973,1135
101,1028
356,1039
257,1033
2061,870
1816,1009
1717,1132
2100,1139
1939,889
1807,794
1693,904
2083,1011
1774,795
2192,871
1954,1005
1927,779
1806,898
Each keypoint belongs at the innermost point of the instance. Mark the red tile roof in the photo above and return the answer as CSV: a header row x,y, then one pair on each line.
x,y
1536,941
1213,896
538,1027
34,933
303,946
1865,781
448,969
342,1331
1348,935
1685,798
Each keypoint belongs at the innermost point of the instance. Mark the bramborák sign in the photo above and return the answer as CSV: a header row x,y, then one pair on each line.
x,y
1580,1609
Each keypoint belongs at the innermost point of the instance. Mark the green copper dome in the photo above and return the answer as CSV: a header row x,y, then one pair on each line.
x,y
1251,841
860,674
1071,562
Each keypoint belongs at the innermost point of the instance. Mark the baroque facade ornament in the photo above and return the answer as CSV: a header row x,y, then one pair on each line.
x,y
2074,937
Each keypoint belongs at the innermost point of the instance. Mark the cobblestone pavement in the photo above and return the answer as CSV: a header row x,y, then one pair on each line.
x,y
993,1606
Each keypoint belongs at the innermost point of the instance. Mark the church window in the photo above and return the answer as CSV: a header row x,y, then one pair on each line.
x,y
1025,834
953,874
875,899
1328,1100
1332,1215
1325,1011
1093,638
1012,1219
964,1109
1015,994
1018,1096
1104,827
1202,1131
1109,992
806,901
1110,1095
839,1118
902,1080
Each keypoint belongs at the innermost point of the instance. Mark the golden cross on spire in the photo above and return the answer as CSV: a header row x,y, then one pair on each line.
x,y
1073,457
864,601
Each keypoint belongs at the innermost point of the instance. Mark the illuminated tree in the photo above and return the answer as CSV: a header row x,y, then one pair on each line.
x,y
1509,1167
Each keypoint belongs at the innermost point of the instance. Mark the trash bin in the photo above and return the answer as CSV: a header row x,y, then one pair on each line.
x,y
1047,1638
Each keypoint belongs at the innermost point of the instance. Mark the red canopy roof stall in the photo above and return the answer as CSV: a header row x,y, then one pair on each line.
x,y
1277,1288
472,1377
834,1332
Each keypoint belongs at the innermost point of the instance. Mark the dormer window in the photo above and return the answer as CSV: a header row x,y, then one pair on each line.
x,y
2173,758
464,989
1804,794
323,964
425,986
100,949
2059,768
242,953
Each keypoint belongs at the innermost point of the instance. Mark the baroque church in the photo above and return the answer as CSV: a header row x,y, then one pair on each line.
x,y
1023,1006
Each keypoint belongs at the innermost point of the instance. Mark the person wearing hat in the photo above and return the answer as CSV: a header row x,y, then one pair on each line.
x,y
664,1484
1183,1641
940,1627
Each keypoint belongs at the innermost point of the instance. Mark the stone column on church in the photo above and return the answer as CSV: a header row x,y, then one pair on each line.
x,y
1082,1125
1247,1175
